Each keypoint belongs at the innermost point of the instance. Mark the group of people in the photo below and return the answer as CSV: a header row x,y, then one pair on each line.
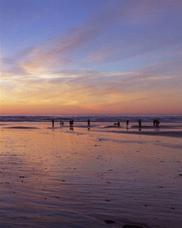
x,y
118,124
156,123
71,123
61,123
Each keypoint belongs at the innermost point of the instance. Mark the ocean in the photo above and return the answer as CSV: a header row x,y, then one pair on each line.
x,y
94,118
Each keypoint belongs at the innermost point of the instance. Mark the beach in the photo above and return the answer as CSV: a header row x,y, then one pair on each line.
x,y
102,176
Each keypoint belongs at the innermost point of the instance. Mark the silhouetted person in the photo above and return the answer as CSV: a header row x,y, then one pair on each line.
x,y
154,123
140,123
157,123
88,121
70,123
52,123
118,124
127,123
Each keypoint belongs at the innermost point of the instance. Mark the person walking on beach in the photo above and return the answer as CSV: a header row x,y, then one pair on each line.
x,y
118,124
140,123
52,123
70,123
88,121
127,123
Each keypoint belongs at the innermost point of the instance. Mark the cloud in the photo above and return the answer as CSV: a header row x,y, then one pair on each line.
x,y
91,90
94,85
59,52
50,74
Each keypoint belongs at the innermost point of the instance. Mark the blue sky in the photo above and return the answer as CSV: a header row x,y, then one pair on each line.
x,y
93,57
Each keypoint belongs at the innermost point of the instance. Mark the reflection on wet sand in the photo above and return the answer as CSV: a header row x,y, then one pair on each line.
x,y
96,178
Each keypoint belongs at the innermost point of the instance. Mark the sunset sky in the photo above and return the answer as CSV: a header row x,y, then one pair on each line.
x,y
90,57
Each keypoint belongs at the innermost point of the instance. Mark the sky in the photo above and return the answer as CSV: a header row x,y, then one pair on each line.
x,y
63,57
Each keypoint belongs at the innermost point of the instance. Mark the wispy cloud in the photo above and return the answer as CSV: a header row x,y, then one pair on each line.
x,y
53,74
58,52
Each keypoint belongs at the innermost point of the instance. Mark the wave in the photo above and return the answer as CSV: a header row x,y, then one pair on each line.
x,y
94,118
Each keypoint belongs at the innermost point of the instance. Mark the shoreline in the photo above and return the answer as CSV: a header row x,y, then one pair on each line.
x,y
146,130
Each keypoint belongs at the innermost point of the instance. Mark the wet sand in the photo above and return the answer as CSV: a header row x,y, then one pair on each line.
x,y
152,133
89,178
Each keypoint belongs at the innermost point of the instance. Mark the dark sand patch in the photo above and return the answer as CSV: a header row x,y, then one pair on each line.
x,y
132,226
22,127
153,127
113,126
152,133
